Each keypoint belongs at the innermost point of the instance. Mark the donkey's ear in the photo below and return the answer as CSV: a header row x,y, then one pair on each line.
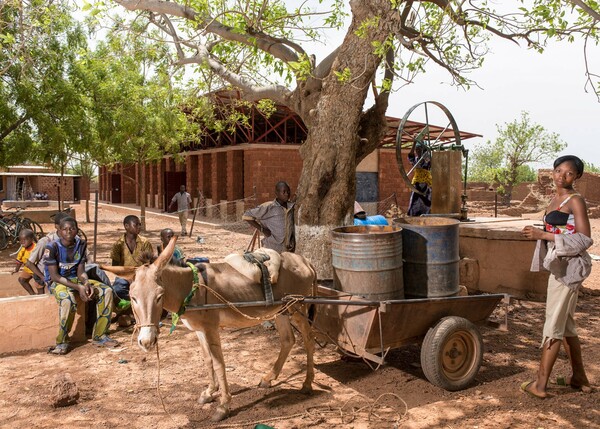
x,y
120,271
165,256
128,273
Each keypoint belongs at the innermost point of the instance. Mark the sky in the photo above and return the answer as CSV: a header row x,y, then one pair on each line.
x,y
550,86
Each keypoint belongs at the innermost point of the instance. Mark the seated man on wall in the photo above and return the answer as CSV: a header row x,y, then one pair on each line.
x,y
36,261
128,251
65,272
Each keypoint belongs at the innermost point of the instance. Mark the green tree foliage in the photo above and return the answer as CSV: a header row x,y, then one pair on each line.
x,y
505,162
39,104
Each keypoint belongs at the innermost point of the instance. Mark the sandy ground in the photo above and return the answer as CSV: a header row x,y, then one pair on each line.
x,y
118,386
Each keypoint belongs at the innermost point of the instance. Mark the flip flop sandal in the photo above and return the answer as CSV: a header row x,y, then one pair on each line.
x,y
524,389
562,381
60,349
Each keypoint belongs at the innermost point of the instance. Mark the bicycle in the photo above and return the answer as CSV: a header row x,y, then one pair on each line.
x,y
11,225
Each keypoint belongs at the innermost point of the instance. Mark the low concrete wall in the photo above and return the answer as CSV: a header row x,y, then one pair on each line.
x,y
31,321
25,203
44,215
10,286
498,259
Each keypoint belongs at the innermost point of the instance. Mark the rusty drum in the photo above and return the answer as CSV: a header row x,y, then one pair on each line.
x,y
431,258
367,261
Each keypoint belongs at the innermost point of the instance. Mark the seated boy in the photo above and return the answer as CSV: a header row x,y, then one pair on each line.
x,y
65,270
128,251
178,257
26,239
36,261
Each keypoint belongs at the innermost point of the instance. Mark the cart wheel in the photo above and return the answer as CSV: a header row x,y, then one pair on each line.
x,y
451,353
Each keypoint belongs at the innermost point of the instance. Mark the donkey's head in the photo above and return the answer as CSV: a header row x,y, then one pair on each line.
x,y
147,295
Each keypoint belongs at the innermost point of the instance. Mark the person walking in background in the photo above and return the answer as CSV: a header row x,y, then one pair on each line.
x,y
275,220
184,202
561,249
128,251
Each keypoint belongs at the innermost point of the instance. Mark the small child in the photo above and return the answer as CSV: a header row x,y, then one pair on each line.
x,y
165,237
27,241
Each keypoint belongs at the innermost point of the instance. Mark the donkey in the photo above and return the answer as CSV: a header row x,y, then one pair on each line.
x,y
159,285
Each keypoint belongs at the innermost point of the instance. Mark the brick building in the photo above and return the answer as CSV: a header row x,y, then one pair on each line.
x,y
231,166
21,182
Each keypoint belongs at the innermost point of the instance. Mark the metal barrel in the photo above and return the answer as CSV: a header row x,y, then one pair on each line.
x,y
431,257
367,261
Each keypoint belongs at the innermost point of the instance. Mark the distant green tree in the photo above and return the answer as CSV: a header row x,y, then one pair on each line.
x,y
591,168
505,162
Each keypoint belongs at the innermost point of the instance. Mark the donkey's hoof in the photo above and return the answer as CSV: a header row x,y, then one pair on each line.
x,y
264,384
306,390
206,398
221,414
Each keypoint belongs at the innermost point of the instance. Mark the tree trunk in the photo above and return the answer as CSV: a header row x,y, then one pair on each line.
x,y
59,188
340,134
327,186
87,199
142,193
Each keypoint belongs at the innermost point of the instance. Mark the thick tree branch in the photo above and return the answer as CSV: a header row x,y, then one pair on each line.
x,y
276,48
13,127
373,124
587,9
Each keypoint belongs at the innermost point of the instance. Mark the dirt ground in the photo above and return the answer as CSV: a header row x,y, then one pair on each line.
x,y
118,386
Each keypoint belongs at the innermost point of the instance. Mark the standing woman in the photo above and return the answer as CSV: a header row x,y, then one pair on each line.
x,y
562,246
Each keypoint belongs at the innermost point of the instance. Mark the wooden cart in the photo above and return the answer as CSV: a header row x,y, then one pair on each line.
x,y
452,347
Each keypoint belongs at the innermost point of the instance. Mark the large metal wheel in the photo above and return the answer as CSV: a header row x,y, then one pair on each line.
x,y
81,234
34,226
3,238
417,125
451,353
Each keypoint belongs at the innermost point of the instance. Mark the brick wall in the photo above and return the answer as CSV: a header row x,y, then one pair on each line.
x,y
128,185
49,184
205,165
589,186
219,176
265,166
235,173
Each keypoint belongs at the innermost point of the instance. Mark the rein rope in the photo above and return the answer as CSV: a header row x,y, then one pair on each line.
x,y
293,299
175,316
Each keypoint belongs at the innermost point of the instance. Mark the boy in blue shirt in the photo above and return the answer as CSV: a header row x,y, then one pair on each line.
x,y
65,270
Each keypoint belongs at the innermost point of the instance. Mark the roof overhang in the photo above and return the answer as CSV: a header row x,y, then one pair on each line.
x,y
29,174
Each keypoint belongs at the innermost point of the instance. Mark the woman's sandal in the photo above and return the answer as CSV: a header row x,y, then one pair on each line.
x,y
562,381
524,389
